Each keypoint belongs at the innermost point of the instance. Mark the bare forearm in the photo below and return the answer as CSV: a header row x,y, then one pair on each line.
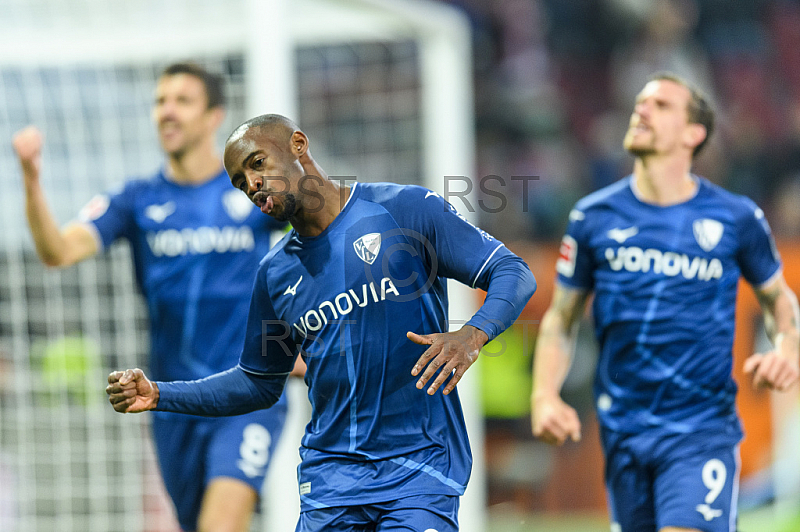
x,y
781,316
553,357
778,369
552,419
784,323
56,246
50,243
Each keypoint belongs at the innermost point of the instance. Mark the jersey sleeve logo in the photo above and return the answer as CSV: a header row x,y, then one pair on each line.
x,y
292,290
621,235
93,210
707,233
567,254
237,205
368,246
159,213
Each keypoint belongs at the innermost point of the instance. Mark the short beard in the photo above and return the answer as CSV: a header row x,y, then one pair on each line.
x,y
289,207
640,151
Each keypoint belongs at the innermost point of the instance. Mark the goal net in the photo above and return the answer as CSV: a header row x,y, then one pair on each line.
x,y
376,85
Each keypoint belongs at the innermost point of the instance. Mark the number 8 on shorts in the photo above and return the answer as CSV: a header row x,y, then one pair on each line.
x,y
254,450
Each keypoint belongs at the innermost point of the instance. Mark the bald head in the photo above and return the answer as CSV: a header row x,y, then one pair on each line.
x,y
266,147
277,127
267,158
274,136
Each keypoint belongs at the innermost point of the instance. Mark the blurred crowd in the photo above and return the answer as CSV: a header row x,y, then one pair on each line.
x,y
555,83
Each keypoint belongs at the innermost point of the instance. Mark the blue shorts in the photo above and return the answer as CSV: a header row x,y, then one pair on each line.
x,y
192,451
419,513
681,480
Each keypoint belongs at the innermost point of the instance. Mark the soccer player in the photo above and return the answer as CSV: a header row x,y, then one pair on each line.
x,y
196,246
663,250
359,289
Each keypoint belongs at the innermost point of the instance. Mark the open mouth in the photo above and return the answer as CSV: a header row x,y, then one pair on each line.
x,y
639,125
169,128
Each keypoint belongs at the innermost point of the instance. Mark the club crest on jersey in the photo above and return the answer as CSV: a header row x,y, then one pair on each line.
x,y
368,246
237,205
707,233
159,213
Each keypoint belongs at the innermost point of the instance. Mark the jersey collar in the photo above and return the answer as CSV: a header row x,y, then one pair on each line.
x,y
636,194
308,240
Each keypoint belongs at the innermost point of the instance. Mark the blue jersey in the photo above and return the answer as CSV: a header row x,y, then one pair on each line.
x,y
345,300
664,282
196,249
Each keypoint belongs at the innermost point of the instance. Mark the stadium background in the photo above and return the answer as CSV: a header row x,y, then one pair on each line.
x,y
406,91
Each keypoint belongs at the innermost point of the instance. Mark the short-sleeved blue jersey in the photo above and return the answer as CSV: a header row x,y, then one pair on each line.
x,y
346,299
196,249
664,281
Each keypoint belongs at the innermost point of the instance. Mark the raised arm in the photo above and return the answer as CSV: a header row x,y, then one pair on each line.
x,y
55,246
777,369
551,418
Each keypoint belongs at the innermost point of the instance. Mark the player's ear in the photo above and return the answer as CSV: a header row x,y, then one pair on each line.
x,y
216,116
299,144
695,134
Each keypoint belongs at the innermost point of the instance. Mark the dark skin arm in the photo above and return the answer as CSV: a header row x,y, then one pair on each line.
x,y
131,392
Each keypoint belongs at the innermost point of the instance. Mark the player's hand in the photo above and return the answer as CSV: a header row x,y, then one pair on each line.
x,y
130,391
554,421
772,370
452,352
27,143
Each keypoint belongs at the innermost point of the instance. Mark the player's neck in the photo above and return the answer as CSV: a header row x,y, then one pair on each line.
x,y
195,166
663,181
326,200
